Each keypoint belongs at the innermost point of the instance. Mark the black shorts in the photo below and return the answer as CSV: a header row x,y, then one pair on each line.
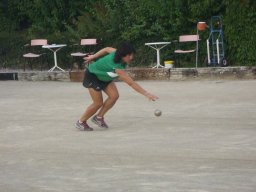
x,y
91,81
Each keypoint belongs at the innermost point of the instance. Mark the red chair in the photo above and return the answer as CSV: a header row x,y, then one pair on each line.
x,y
35,52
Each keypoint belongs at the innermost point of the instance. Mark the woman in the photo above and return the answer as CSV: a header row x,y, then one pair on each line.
x,y
99,78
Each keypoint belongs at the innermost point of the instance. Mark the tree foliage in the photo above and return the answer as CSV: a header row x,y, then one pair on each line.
x,y
113,21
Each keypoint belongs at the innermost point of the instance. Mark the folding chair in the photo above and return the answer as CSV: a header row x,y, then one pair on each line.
x,y
35,53
186,39
87,47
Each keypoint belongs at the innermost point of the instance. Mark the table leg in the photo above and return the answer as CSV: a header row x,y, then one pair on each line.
x,y
197,50
55,63
52,69
158,59
55,59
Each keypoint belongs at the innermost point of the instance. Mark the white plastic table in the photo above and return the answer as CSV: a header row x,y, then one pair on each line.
x,y
54,48
157,46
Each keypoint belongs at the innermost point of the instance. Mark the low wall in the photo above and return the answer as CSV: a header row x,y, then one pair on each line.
x,y
152,74
44,76
184,73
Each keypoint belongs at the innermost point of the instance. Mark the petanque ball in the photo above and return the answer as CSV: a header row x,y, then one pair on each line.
x,y
158,112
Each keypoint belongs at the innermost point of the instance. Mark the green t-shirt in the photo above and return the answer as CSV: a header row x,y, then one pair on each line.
x,y
104,68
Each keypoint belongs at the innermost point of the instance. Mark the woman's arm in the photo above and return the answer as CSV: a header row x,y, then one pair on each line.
x,y
124,77
100,53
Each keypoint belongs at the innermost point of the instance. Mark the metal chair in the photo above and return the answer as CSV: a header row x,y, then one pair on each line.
x,y
186,39
35,53
87,47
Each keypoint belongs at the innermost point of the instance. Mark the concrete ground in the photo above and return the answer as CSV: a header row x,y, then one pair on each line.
x,y
205,140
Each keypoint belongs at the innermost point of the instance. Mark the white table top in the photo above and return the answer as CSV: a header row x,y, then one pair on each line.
x,y
158,43
54,46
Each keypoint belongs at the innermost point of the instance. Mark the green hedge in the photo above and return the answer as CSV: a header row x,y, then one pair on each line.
x,y
113,21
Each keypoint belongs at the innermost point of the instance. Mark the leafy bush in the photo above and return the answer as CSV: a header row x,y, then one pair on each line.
x,y
113,21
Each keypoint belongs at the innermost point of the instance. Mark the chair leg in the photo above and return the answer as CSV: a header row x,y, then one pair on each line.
x,y
72,64
31,64
48,63
43,60
80,64
41,66
175,60
24,66
178,61
76,62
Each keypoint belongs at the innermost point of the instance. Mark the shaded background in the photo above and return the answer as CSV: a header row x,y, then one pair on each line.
x,y
113,21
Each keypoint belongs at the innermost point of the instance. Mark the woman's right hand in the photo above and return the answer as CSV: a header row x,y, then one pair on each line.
x,y
151,96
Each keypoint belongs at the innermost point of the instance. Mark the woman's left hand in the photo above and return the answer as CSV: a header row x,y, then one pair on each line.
x,y
88,58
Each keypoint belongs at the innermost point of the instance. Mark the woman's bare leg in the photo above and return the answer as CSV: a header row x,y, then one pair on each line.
x,y
113,96
94,107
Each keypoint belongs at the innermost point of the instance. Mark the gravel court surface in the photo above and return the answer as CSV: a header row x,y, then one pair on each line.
x,y
204,141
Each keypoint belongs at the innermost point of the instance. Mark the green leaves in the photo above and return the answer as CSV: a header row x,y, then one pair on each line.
x,y
140,21
240,32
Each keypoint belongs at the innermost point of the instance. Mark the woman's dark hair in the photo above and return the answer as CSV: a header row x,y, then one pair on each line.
x,y
124,49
